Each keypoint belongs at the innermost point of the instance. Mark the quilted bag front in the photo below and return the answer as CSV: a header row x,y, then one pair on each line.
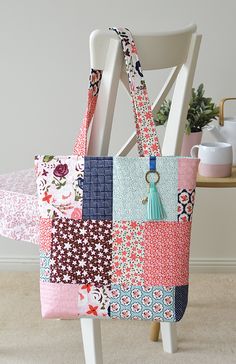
x,y
115,231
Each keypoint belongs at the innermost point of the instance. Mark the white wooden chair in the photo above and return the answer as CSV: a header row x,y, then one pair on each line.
x,y
177,50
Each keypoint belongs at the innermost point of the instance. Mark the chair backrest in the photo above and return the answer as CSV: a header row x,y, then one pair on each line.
x,y
177,50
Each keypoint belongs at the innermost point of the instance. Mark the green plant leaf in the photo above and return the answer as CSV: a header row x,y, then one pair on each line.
x,y
200,113
47,158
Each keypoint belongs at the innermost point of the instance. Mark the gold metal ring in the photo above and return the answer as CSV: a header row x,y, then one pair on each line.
x,y
154,172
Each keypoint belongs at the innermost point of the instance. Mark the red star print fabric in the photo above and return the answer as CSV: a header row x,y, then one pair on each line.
x,y
81,252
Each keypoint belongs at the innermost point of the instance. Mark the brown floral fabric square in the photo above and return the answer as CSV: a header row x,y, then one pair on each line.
x,y
81,252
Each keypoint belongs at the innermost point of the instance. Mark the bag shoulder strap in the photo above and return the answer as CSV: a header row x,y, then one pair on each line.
x,y
80,147
148,143
147,140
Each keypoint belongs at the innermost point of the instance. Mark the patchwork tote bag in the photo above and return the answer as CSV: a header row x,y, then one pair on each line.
x,y
115,231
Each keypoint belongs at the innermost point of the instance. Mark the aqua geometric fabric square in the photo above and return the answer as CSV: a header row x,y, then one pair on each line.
x,y
130,187
142,303
44,266
168,185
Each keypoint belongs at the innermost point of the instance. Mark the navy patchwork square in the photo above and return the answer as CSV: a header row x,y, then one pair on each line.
x,y
98,188
181,301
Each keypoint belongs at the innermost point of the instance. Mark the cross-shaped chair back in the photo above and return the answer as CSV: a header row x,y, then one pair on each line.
x,y
177,50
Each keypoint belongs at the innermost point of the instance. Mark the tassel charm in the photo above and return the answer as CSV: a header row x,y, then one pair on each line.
x,y
155,209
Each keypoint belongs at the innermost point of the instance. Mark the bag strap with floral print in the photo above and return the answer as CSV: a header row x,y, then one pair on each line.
x,y
147,139
80,147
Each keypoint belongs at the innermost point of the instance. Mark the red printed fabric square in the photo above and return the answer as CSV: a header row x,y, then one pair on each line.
x,y
81,252
166,261
127,253
45,234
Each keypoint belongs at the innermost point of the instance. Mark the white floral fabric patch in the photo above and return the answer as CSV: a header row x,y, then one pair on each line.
x,y
60,186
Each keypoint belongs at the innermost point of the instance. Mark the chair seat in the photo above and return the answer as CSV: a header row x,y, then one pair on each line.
x,y
19,217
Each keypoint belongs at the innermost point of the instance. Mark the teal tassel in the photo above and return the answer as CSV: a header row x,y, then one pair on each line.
x,y
155,209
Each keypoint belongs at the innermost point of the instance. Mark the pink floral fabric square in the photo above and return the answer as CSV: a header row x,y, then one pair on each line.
x,y
45,234
60,186
127,253
74,300
187,172
93,301
166,261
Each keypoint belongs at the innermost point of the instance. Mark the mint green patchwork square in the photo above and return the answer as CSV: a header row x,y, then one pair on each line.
x,y
44,267
130,187
168,185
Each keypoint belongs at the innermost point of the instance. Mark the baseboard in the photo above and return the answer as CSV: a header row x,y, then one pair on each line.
x,y
196,265
23,264
212,265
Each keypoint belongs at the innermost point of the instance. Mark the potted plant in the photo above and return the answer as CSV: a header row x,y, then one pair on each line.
x,y
200,113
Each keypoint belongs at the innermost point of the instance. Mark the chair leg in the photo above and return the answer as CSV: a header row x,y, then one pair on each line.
x,y
155,331
169,337
91,334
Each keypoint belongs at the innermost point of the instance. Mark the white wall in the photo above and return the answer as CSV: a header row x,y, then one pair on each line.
x,y
44,64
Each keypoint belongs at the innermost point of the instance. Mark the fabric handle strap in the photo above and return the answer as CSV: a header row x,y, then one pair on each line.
x,y
147,140
80,147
